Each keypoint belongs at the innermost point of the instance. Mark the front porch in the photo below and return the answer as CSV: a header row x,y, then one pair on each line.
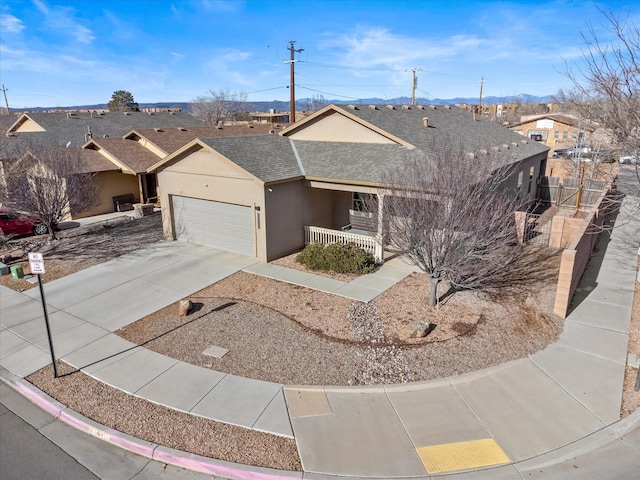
x,y
368,241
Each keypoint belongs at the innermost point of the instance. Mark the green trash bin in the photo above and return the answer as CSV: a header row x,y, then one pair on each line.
x,y
16,272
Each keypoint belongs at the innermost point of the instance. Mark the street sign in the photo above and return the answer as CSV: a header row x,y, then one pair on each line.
x,y
36,263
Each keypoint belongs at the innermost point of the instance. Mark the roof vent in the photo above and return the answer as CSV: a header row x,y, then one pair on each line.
x,y
373,107
514,144
127,113
495,149
105,136
432,107
425,121
470,155
272,131
483,151
420,107
150,113
353,107
524,142
448,107
101,114
219,127
391,107
505,146
182,129
172,113
250,126
406,107
158,129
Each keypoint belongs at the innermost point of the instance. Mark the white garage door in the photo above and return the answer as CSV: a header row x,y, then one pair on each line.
x,y
221,225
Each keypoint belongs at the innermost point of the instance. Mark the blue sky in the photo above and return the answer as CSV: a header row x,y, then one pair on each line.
x,y
70,52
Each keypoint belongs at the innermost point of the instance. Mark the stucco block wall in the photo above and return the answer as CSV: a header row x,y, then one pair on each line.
x,y
575,258
564,230
110,184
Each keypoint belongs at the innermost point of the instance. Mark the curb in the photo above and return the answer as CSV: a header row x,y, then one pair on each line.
x,y
152,451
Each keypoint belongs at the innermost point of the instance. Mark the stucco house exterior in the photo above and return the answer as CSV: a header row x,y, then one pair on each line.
x,y
265,196
76,129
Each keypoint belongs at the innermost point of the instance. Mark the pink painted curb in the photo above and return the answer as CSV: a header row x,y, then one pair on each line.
x,y
146,449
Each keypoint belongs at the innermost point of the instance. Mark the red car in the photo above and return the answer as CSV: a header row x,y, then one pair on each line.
x,y
15,223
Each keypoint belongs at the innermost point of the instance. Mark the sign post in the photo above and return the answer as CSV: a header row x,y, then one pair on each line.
x,y
36,264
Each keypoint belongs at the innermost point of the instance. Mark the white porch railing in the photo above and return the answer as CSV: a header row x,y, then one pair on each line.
x,y
326,236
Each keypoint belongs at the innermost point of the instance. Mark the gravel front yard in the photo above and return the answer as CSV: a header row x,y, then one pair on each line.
x,y
292,335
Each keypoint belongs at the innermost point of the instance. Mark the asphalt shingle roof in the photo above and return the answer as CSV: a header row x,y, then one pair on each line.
x,y
171,139
128,152
61,128
446,124
268,157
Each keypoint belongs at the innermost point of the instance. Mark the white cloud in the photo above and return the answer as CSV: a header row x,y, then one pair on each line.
x,y
62,20
11,24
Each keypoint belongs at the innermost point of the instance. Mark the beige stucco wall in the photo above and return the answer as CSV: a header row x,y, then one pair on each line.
x,y
209,176
29,126
291,206
111,184
338,128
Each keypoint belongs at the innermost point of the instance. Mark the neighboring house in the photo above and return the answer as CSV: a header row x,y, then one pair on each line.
x,y
553,130
76,128
134,152
265,196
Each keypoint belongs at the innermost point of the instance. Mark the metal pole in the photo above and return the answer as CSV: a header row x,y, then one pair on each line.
x,y
46,321
292,92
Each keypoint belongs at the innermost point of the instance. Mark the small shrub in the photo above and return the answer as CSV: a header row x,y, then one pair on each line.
x,y
338,258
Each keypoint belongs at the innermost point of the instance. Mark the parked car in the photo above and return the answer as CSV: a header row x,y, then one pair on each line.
x,y
576,149
628,159
16,223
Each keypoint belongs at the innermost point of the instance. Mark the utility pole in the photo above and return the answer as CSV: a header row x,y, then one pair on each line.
x,y
4,90
414,84
480,100
292,91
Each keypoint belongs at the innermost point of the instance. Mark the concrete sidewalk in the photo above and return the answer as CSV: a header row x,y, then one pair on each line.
x,y
510,419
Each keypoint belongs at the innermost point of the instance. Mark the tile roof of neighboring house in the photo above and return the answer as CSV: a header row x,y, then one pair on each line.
x,y
129,153
171,139
61,128
267,157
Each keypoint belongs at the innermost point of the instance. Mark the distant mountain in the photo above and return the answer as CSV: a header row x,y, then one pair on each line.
x,y
301,104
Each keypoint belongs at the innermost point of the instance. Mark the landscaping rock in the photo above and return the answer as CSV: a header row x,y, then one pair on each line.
x,y
185,308
422,329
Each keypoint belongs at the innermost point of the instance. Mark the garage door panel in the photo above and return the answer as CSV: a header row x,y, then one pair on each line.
x,y
222,225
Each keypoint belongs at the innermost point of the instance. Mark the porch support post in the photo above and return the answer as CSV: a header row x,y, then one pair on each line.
x,y
380,234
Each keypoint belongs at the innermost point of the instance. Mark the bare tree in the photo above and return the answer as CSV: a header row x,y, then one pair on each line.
x,y
50,182
454,217
606,82
316,103
221,106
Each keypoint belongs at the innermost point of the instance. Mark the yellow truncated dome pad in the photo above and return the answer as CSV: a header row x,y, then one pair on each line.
x,y
462,455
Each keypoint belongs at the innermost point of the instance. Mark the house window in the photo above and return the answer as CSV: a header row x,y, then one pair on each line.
x,y
361,201
565,135
538,135
531,172
520,178
574,135
556,135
